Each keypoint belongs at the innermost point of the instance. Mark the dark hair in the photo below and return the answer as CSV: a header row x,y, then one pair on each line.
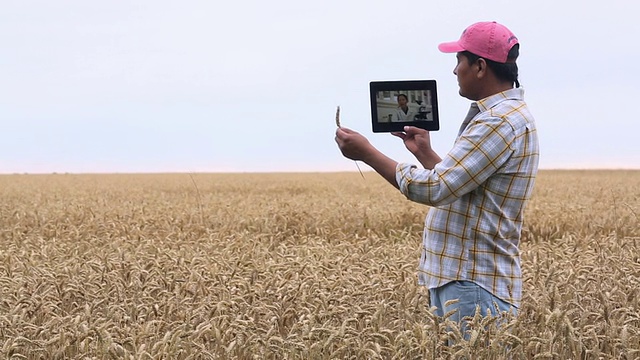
x,y
504,71
405,96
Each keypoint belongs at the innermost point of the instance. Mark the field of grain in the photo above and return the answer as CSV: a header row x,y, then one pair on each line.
x,y
296,266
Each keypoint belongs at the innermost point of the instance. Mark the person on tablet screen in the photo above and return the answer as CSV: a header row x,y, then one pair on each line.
x,y
404,112
476,192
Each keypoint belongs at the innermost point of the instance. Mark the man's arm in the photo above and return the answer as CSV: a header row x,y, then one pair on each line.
x,y
383,165
428,159
478,154
356,147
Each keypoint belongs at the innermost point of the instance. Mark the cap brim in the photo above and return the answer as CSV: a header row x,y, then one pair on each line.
x,y
450,47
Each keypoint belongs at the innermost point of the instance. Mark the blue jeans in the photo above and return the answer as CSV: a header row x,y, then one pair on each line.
x,y
469,294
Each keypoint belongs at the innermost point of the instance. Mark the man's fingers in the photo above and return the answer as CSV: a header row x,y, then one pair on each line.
x,y
347,130
401,135
341,134
338,139
344,133
412,130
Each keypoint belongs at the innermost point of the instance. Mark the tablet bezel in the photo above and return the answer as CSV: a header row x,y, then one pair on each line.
x,y
403,85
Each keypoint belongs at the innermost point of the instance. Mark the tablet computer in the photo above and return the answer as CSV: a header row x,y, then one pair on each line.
x,y
396,104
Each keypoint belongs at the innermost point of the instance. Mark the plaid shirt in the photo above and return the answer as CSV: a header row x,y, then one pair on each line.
x,y
478,193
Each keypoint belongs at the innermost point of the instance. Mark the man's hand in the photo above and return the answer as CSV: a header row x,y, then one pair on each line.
x,y
418,142
356,147
415,139
353,145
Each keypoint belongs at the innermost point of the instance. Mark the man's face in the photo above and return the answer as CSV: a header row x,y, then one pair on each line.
x,y
402,101
466,74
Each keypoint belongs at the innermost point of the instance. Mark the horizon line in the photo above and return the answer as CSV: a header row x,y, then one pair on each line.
x,y
265,171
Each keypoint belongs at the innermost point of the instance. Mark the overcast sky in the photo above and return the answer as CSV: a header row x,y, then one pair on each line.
x,y
154,86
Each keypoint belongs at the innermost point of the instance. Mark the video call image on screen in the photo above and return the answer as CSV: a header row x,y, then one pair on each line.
x,y
404,106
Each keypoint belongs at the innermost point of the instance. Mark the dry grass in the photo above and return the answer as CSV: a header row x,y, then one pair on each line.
x,y
304,266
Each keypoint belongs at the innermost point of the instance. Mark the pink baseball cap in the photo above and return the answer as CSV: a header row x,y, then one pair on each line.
x,y
488,40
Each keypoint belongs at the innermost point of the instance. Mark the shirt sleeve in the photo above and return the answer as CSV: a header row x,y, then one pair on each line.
x,y
484,146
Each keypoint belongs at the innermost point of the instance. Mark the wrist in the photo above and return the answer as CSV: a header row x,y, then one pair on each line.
x,y
370,155
429,159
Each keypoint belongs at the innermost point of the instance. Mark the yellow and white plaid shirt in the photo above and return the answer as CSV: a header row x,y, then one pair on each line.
x,y
478,193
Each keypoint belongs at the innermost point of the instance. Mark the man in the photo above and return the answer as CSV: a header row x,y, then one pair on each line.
x,y
404,111
479,189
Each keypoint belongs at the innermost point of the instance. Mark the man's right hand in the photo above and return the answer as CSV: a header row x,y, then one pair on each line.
x,y
418,142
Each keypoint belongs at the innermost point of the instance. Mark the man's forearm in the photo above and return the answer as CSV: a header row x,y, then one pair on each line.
x,y
383,165
429,159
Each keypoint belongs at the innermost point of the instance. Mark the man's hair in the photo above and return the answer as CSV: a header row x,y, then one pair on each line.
x,y
405,96
505,72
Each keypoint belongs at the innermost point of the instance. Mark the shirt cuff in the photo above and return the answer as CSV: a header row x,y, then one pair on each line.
x,y
403,177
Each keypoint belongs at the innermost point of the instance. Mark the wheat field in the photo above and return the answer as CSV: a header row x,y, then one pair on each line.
x,y
297,266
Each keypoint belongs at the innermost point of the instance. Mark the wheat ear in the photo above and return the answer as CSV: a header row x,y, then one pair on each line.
x,y
338,125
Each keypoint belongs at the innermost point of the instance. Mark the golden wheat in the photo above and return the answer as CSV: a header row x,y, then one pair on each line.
x,y
338,125
297,266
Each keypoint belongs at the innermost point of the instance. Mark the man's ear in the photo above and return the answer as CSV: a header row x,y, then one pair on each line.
x,y
482,68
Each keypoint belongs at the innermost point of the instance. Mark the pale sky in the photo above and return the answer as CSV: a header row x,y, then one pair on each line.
x,y
190,86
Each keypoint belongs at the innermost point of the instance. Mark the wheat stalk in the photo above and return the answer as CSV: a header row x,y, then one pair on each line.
x,y
198,198
338,125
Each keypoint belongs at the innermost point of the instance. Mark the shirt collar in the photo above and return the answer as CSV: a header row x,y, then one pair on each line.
x,y
493,100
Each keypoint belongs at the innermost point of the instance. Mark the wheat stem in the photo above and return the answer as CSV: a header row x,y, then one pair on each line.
x,y
338,125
